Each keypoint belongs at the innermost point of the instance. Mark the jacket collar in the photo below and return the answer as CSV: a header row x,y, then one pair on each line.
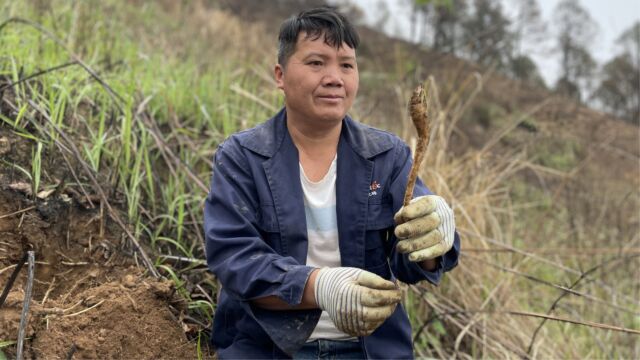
x,y
267,138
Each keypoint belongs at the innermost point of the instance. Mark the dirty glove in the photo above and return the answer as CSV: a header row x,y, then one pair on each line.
x,y
357,301
425,228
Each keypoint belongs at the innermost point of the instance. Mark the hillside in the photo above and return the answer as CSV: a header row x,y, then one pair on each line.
x,y
105,162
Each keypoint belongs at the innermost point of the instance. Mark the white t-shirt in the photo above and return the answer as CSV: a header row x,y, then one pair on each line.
x,y
322,233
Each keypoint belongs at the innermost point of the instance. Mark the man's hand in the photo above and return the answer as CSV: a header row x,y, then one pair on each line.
x,y
357,301
425,228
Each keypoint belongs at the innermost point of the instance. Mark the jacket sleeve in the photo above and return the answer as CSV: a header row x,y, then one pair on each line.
x,y
246,266
407,271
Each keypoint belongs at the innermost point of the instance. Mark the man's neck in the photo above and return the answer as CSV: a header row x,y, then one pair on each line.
x,y
317,146
315,141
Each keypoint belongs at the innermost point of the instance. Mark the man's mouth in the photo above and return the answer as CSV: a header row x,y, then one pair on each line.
x,y
331,98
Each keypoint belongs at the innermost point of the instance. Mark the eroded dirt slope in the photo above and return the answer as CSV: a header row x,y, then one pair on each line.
x,y
90,299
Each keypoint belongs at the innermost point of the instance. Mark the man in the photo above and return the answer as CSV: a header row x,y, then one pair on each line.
x,y
299,223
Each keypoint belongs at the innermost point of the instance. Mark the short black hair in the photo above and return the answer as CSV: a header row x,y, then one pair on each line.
x,y
317,22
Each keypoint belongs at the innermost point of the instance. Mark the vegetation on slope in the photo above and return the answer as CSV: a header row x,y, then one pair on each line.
x,y
146,91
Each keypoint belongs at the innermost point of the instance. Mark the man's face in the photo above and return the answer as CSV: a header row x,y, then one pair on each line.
x,y
319,81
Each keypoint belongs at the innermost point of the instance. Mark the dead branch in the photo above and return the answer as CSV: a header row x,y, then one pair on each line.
x,y
73,56
36,74
559,287
26,303
575,283
12,279
17,212
544,260
543,316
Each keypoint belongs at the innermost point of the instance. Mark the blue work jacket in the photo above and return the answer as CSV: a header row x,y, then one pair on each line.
x,y
256,236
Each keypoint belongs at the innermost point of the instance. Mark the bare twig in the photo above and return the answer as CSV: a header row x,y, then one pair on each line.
x,y
26,303
577,322
17,212
12,279
561,251
85,310
186,259
75,177
560,287
543,316
205,294
75,285
165,150
81,263
167,155
542,259
73,56
563,294
496,340
34,75
59,311
46,294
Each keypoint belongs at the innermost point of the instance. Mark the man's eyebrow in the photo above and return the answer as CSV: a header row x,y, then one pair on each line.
x,y
324,56
347,57
314,54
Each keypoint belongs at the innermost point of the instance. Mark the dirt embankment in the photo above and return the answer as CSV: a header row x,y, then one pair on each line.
x,y
90,300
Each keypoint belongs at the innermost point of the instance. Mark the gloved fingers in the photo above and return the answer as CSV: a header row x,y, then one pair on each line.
x,y
364,321
367,328
418,243
374,297
429,253
369,319
418,207
373,281
419,226
346,324
345,310
377,314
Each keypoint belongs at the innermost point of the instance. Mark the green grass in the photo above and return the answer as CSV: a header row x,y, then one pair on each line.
x,y
36,168
167,112
559,154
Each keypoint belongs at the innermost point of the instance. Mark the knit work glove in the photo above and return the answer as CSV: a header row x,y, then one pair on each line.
x,y
425,228
356,300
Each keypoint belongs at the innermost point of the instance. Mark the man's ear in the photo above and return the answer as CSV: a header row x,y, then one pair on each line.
x,y
278,73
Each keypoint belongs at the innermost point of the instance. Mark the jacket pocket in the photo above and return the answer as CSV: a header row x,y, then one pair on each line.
x,y
379,213
379,224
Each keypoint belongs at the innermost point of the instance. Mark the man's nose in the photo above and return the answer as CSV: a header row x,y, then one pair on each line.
x,y
333,77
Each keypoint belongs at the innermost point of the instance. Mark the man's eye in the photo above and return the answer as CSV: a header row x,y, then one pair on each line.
x,y
347,65
315,63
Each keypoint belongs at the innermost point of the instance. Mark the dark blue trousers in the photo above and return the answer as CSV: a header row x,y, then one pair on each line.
x,y
330,349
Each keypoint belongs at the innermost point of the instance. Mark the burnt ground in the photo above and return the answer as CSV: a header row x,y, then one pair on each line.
x,y
90,297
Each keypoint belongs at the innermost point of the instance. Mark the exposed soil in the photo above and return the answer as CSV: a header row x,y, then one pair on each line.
x,y
90,299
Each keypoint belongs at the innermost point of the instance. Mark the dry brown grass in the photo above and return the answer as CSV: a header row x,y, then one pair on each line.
x,y
491,305
518,219
525,226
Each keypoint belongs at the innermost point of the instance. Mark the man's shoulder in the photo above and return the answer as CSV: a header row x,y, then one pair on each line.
x,y
371,141
378,133
262,138
245,136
